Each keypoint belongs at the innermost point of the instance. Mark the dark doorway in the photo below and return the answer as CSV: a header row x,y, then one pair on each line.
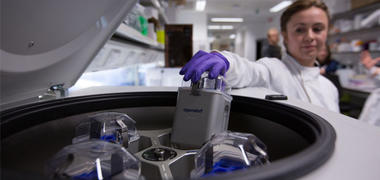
x,y
260,43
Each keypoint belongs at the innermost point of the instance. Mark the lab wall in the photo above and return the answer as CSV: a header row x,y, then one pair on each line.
x,y
252,31
239,42
250,44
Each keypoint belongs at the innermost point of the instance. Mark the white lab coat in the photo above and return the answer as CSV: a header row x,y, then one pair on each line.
x,y
284,76
370,113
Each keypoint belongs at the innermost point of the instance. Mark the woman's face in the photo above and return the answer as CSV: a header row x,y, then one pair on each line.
x,y
306,34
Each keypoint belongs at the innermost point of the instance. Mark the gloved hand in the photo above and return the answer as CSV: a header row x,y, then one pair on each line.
x,y
202,61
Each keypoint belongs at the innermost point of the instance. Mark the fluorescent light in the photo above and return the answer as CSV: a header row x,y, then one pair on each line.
x,y
212,27
217,27
227,27
200,5
227,19
280,6
232,36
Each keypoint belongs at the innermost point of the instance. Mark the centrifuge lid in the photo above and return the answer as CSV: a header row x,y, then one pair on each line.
x,y
48,43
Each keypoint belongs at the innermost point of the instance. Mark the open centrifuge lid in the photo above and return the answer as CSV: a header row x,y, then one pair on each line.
x,y
48,43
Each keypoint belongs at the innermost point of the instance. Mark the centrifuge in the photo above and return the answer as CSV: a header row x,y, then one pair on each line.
x,y
46,46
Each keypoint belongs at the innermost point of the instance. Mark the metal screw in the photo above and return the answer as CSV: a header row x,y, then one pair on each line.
x,y
30,44
160,154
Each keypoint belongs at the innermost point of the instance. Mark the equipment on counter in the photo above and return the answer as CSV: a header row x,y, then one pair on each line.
x,y
202,111
297,141
97,151
108,126
229,151
201,118
93,159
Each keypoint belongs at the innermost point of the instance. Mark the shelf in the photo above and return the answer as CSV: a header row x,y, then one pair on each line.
x,y
358,32
126,32
351,52
352,13
157,5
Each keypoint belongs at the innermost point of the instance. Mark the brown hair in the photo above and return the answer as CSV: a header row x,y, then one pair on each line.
x,y
298,6
327,59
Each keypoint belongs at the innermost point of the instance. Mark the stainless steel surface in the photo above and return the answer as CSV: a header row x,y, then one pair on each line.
x,y
178,167
31,44
45,43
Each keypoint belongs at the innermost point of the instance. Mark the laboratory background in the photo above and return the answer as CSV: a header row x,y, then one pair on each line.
x,y
140,54
127,89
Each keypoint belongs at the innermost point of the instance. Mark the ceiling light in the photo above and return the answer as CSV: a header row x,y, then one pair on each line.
x,y
227,27
227,19
232,36
217,27
280,6
212,27
200,5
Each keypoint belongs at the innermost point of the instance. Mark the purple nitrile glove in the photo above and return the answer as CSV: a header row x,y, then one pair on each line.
x,y
202,61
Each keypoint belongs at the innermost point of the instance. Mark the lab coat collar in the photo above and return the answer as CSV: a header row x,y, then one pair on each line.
x,y
308,73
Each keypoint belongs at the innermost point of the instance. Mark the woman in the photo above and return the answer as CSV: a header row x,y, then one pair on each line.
x,y
328,65
304,26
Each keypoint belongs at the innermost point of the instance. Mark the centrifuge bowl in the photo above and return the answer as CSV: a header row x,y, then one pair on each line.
x,y
298,141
